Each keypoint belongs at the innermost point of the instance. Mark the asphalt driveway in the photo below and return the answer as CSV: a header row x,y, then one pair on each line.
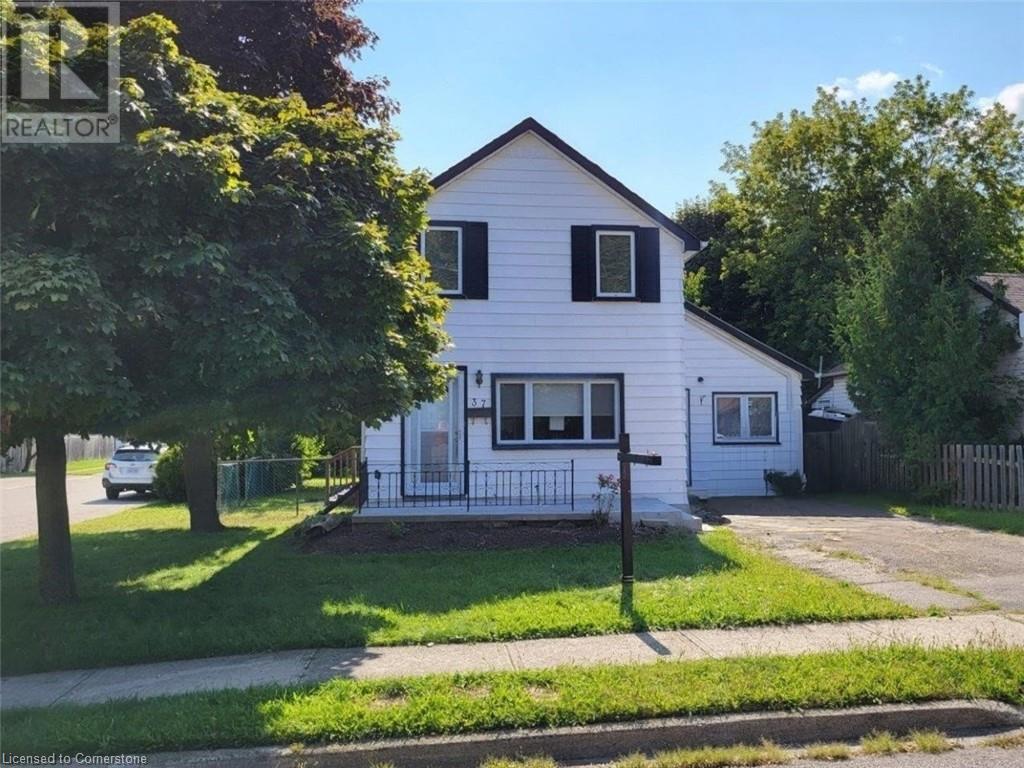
x,y
857,538
86,500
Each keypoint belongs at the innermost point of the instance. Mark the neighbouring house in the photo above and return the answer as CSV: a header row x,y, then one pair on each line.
x,y
569,328
1006,291
832,401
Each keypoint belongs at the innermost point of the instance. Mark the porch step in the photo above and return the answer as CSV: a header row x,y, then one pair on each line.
x,y
656,513
648,511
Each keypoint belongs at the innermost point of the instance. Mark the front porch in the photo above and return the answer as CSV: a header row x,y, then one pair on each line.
x,y
469,491
647,511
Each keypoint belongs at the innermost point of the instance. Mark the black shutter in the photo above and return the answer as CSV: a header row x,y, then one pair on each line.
x,y
584,278
474,259
648,265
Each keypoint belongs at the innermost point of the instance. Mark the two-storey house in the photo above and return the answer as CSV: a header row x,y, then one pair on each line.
x,y
569,328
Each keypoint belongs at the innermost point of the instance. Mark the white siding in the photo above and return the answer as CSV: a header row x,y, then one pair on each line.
x,y
837,397
727,365
530,195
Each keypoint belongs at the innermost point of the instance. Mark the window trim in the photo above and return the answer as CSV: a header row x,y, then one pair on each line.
x,y
598,293
527,379
457,291
745,419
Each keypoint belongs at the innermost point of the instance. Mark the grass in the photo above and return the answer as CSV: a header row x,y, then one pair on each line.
x,y
86,466
982,519
845,554
835,750
765,753
523,762
880,743
345,710
150,590
1005,741
945,585
932,742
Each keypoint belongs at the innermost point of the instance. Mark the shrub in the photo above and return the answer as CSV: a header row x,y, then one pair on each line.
x,y
608,487
308,448
785,483
169,479
935,493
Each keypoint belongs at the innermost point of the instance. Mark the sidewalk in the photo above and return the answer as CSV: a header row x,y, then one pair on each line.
x,y
312,666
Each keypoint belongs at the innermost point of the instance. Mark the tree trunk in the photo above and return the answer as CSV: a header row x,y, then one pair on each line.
x,y
30,454
201,483
56,575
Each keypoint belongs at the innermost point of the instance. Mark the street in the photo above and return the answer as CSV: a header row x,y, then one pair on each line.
x,y
86,500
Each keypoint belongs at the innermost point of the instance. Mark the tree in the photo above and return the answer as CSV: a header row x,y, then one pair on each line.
x,y
274,47
709,281
233,262
812,188
922,356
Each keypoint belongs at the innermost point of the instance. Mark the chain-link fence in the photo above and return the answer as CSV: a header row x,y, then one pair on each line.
x,y
268,484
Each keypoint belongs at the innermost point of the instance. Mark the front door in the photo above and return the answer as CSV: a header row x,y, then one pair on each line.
x,y
434,442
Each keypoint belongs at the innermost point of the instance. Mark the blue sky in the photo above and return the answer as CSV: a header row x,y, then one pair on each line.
x,y
651,91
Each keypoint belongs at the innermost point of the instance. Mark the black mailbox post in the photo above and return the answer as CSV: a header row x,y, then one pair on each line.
x,y
626,460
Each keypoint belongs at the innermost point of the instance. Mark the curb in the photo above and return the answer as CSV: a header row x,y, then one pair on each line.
x,y
596,743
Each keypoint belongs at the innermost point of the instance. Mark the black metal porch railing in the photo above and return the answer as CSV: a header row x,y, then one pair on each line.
x,y
470,483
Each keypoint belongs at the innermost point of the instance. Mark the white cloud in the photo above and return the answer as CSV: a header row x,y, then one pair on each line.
x,y
1011,97
876,82
870,84
935,70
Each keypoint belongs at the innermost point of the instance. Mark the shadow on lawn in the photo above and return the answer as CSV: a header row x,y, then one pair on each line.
x,y
153,594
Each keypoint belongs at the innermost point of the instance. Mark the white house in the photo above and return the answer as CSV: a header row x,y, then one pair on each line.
x,y
832,400
569,328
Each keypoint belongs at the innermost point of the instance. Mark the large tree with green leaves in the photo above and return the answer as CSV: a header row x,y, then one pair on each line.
x,y
812,187
274,47
922,351
233,262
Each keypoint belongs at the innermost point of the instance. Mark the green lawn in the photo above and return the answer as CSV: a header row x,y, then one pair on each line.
x,y
973,517
345,710
151,590
86,466
984,519
77,467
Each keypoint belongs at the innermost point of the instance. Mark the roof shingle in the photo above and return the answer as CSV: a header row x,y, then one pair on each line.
x,y
1014,286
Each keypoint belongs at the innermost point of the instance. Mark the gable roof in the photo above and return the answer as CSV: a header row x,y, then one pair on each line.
x,y
1013,300
835,370
530,125
749,340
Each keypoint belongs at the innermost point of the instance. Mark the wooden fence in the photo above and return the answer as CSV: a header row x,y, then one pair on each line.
x,y
76,447
854,458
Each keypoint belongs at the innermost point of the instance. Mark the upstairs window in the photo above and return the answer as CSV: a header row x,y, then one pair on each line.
x,y
442,247
746,418
612,262
616,264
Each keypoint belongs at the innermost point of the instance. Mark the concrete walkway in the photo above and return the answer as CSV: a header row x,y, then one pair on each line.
x,y
317,665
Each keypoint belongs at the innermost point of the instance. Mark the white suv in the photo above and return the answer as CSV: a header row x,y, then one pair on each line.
x,y
131,468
